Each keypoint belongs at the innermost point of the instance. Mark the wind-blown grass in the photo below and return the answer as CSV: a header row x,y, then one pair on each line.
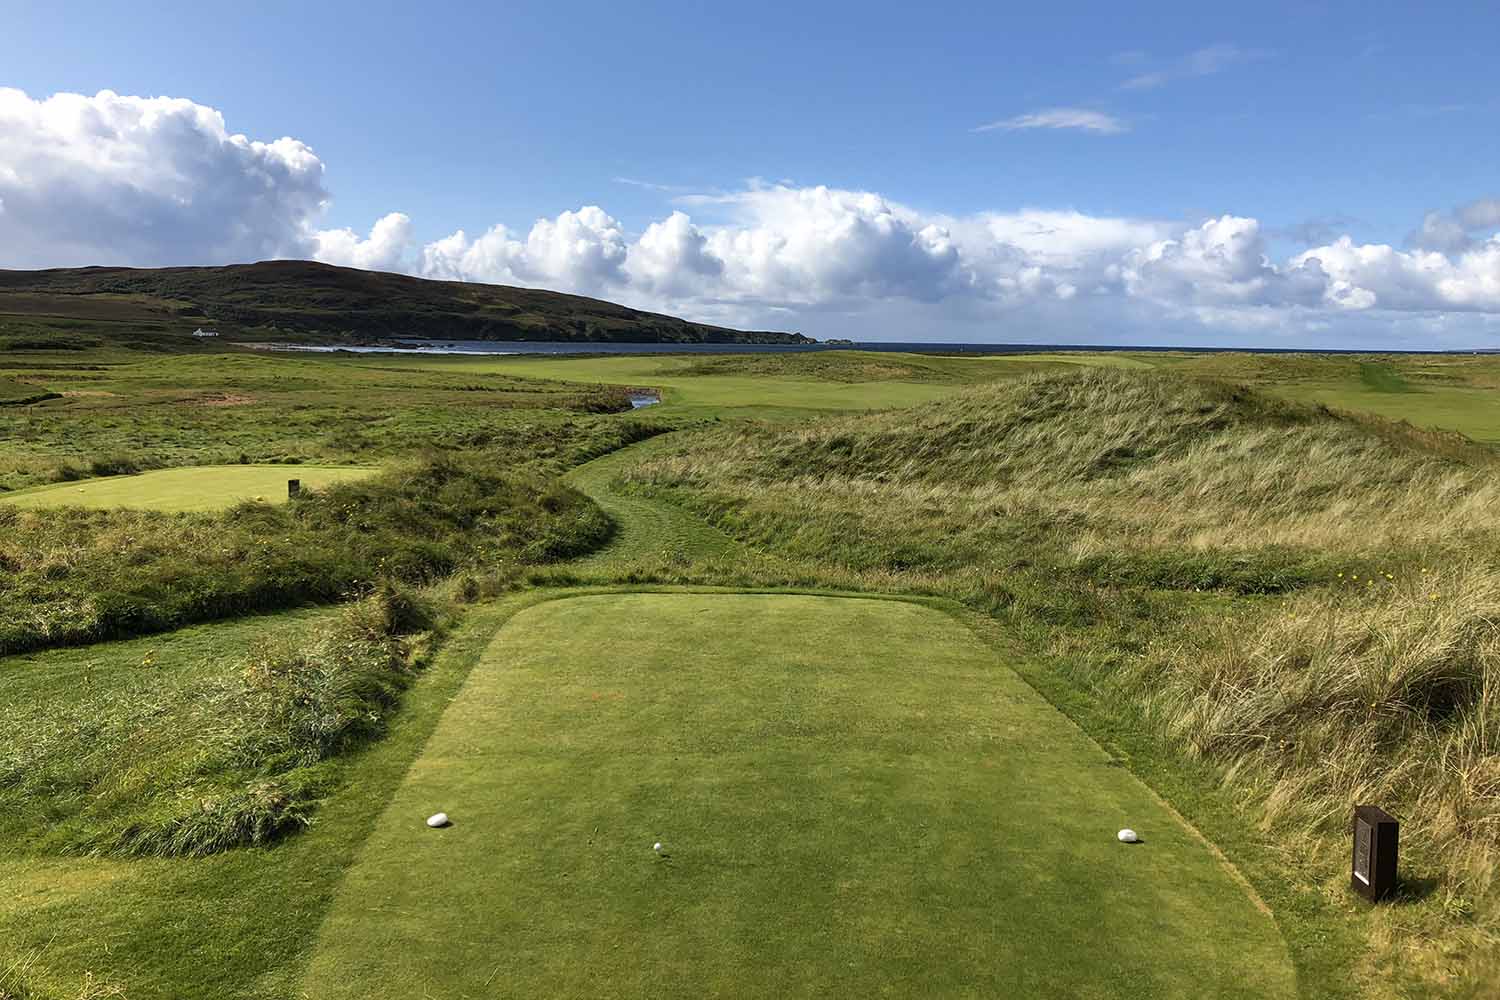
x,y
1352,654
231,760
69,576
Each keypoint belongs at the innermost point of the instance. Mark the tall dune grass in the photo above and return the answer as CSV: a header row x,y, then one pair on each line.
x,y
71,576
238,759
1353,654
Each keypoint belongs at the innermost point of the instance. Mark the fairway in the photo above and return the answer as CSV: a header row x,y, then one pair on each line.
x,y
202,487
854,797
691,394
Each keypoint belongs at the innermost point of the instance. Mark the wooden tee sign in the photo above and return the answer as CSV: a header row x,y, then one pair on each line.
x,y
1373,872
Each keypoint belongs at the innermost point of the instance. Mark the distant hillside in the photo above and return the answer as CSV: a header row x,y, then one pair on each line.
x,y
306,299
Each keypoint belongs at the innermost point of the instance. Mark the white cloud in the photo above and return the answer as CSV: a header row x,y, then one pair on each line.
x,y
672,258
110,179
1453,232
1221,262
1082,119
1377,275
582,251
820,244
385,249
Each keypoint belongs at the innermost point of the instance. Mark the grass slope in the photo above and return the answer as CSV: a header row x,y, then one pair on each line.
x,y
124,411
902,813
1455,392
71,575
197,488
232,926
1305,600
758,387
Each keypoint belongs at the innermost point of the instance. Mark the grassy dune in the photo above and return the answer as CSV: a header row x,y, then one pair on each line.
x,y
1090,511
63,582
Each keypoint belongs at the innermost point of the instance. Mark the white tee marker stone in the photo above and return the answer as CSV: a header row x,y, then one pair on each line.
x,y
1127,836
437,819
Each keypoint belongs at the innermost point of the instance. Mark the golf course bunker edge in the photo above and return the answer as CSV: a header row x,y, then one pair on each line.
x,y
685,795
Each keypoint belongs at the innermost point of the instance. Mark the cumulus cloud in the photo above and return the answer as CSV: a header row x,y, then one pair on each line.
x,y
810,245
1082,119
1454,232
672,258
148,181
111,179
1371,275
582,251
385,249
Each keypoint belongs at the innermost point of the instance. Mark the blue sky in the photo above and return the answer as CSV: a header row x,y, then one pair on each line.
x,y
1308,122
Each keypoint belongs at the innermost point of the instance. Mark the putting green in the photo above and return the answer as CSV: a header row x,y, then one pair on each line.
x,y
199,487
855,798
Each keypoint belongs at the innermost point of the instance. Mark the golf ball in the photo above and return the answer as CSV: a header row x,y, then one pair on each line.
x,y
1127,836
656,847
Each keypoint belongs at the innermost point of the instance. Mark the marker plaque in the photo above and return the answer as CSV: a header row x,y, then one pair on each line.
x,y
1373,870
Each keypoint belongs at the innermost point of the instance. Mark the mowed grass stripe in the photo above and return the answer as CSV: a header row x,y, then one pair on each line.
x,y
855,797
200,487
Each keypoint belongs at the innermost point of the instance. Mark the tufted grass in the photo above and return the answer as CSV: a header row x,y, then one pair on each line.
x,y
1349,653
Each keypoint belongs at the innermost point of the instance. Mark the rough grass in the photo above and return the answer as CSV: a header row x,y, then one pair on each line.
x,y
14,984
117,412
69,576
1086,510
1123,477
159,767
1343,695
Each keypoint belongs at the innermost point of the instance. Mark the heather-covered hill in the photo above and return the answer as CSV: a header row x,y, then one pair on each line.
x,y
304,297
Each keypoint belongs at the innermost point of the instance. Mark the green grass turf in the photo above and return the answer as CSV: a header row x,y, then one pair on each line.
x,y
119,407
1382,378
205,487
855,799
644,528
233,925
784,396
10,390
1456,392
1469,410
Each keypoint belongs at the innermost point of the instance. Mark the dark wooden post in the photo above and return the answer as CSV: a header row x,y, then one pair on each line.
x,y
1373,873
293,487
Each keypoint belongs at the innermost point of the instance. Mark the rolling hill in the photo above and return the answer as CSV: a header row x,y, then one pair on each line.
x,y
311,300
